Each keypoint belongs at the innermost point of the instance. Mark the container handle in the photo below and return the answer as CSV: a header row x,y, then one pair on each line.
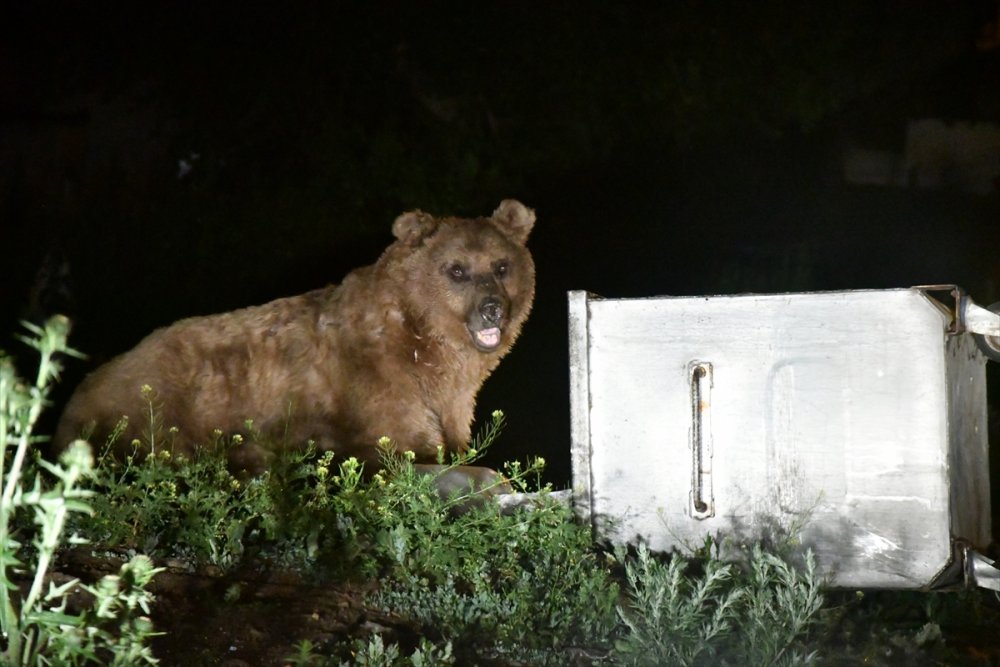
x,y
702,499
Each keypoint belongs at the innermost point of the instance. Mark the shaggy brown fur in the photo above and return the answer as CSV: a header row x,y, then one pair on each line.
x,y
399,349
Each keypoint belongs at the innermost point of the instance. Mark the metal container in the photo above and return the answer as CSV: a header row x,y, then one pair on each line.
x,y
854,421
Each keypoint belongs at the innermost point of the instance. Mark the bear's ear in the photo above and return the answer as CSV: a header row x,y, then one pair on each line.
x,y
515,218
413,227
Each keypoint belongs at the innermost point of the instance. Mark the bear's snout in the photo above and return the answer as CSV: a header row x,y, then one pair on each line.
x,y
491,310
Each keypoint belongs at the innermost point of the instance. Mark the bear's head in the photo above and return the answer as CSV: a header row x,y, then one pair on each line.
x,y
468,281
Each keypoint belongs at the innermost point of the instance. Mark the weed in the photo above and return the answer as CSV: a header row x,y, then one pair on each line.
x,y
524,585
308,512
191,509
37,627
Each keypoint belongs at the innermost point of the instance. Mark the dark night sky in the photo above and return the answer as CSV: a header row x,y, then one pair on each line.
x,y
180,159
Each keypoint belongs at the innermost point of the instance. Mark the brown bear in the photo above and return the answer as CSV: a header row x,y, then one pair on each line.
x,y
400,349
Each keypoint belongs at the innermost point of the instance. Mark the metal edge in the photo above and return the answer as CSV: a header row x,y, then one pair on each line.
x,y
964,314
980,571
579,381
951,311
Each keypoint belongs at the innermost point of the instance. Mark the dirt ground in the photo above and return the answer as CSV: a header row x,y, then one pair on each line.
x,y
259,628
240,620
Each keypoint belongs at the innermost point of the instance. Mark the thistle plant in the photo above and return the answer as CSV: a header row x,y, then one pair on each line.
x,y
37,627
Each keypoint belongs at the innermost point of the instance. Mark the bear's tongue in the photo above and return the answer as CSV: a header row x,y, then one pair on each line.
x,y
488,337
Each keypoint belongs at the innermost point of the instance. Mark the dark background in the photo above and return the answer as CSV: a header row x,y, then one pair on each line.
x,y
162,160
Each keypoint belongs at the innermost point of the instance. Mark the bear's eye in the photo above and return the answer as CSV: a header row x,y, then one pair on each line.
x,y
501,268
457,272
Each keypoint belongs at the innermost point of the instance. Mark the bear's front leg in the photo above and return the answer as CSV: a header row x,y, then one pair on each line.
x,y
478,483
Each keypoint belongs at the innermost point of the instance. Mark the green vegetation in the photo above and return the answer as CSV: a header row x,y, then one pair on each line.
x,y
462,580
37,626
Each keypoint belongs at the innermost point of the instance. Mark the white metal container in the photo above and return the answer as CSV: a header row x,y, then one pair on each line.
x,y
855,420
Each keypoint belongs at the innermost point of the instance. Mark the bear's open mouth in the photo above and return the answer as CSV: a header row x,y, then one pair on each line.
x,y
487,339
